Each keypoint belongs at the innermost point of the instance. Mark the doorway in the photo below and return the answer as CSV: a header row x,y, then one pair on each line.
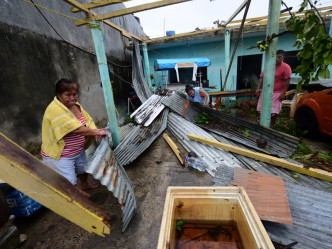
x,y
248,71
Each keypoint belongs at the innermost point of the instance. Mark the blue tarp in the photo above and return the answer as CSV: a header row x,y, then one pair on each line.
x,y
166,64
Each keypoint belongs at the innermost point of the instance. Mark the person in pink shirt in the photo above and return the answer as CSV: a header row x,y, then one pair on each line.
x,y
283,73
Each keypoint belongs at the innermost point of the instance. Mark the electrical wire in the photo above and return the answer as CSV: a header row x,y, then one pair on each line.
x,y
62,38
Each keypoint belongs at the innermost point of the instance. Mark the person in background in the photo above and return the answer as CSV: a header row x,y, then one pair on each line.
x,y
195,94
67,129
283,73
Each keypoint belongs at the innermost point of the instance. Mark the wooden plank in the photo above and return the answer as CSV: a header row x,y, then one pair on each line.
x,y
281,15
183,35
249,22
97,4
242,6
91,13
130,10
267,194
317,173
78,5
174,148
27,174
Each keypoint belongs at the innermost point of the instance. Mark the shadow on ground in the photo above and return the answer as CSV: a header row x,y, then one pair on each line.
x,y
151,174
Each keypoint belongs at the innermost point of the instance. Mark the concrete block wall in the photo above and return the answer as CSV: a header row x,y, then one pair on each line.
x,y
33,57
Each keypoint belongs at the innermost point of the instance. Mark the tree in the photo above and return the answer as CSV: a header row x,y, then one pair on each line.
x,y
219,23
314,44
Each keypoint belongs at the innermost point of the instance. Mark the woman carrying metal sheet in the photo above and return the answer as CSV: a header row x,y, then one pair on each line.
x,y
195,94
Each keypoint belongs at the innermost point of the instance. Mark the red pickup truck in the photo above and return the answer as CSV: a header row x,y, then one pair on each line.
x,y
314,113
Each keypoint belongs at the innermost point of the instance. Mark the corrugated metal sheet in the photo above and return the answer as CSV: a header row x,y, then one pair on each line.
x,y
287,175
213,156
139,139
140,85
311,210
104,167
149,110
126,129
279,144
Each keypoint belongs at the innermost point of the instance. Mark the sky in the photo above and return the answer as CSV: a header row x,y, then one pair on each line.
x,y
187,16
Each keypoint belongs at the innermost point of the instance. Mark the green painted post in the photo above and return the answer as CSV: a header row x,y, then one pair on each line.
x,y
270,62
146,64
227,59
97,37
330,32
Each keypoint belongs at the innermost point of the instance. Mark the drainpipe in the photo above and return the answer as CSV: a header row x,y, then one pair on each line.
x,y
98,42
330,33
227,57
146,64
270,62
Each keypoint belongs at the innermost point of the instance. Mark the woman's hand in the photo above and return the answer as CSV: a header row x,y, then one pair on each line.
x,y
100,134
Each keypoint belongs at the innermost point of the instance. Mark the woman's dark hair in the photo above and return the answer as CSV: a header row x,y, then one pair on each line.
x,y
280,51
188,88
64,84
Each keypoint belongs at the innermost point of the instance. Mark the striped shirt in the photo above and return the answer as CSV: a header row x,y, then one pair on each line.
x,y
74,143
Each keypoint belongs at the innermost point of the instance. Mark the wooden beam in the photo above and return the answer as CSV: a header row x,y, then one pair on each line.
x,y
233,24
281,15
237,12
317,173
90,12
174,148
29,175
183,35
97,4
78,5
130,10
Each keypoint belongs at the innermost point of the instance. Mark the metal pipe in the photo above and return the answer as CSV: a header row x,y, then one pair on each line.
x,y
227,55
270,62
330,33
98,42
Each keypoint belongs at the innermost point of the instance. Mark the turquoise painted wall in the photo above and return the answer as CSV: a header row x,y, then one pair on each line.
x,y
215,52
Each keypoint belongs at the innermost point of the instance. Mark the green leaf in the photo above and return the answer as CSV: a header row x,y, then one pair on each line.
x,y
324,73
303,5
308,54
179,225
325,156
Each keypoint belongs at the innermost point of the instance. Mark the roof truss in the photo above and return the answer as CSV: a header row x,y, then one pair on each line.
x,y
97,4
88,12
130,10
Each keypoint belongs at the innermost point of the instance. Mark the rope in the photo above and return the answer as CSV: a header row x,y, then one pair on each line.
x,y
66,41
149,49
121,78
56,12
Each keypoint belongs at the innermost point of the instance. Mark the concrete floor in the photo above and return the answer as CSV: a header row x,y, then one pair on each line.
x,y
151,174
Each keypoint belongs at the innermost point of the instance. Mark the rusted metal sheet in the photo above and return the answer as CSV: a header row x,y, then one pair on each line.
x,y
104,167
234,128
139,139
267,194
310,205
